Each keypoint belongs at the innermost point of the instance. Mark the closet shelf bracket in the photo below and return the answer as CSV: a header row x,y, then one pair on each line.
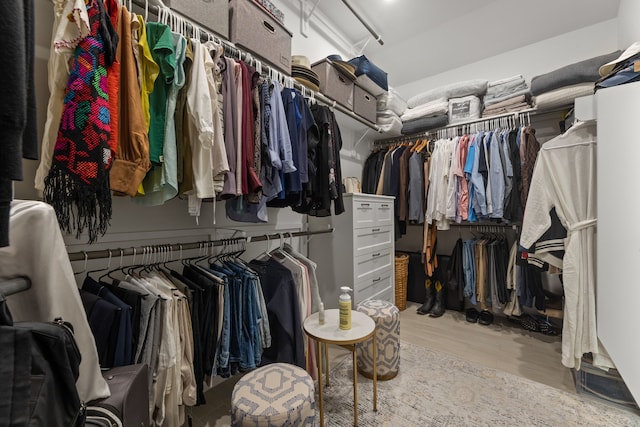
x,y
306,15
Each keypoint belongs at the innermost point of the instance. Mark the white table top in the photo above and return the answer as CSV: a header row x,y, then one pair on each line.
x,y
362,326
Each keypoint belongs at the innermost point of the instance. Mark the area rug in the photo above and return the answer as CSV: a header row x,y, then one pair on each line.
x,y
436,389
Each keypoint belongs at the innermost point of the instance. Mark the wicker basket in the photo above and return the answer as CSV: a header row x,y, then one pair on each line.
x,y
401,273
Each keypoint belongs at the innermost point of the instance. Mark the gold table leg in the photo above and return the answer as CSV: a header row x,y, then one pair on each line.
x,y
326,357
355,387
318,348
375,373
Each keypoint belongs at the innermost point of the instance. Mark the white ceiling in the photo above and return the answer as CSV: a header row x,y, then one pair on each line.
x,y
427,37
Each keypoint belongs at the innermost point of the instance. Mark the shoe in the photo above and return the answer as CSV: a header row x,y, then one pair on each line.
x,y
486,317
430,298
438,308
472,315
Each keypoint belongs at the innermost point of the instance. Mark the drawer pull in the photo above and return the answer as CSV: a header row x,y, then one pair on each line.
x,y
377,280
384,206
375,230
365,205
375,255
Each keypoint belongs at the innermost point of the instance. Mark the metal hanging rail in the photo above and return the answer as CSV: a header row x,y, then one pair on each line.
x,y
523,116
107,253
262,68
363,22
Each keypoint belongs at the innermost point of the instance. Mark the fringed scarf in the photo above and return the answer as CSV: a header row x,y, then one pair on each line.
x,y
78,183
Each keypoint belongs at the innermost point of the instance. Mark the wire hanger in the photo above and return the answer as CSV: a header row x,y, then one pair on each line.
x,y
102,269
86,258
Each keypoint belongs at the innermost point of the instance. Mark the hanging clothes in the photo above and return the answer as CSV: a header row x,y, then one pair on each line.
x,y
570,191
19,113
71,25
38,252
78,183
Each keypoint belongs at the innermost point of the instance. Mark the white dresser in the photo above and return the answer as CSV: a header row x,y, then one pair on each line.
x,y
360,251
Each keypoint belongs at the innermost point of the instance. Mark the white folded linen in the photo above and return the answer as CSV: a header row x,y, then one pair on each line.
x,y
562,96
433,108
476,87
391,100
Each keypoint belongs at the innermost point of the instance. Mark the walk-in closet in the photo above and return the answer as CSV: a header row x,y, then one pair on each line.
x,y
318,213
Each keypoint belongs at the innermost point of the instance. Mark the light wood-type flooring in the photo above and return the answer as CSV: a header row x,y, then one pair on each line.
x,y
502,345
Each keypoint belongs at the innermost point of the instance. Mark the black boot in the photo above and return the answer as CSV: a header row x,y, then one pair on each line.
x,y
439,306
430,298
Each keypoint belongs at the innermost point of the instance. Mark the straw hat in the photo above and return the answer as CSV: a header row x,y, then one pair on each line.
x,y
349,70
301,71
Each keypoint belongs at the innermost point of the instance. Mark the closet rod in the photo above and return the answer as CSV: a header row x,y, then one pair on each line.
x,y
14,285
106,253
266,69
517,114
363,22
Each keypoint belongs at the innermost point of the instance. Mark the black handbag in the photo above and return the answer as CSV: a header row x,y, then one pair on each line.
x,y
41,363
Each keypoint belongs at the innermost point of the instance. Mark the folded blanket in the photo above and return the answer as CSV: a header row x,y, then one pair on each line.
x,y
579,72
430,109
390,124
504,87
562,96
463,109
391,100
424,123
489,102
454,90
513,108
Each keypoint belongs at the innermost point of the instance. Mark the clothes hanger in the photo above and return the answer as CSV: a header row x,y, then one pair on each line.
x,y
108,273
101,269
86,258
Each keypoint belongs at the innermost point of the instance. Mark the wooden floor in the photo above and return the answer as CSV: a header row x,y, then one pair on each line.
x,y
502,345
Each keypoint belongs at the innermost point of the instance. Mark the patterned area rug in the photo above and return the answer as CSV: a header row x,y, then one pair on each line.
x,y
436,389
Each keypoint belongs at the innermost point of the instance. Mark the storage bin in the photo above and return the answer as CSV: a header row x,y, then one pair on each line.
x,y
211,14
257,31
334,84
401,273
364,103
606,386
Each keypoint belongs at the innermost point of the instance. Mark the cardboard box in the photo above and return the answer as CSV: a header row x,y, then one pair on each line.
x,y
334,84
257,31
364,103
210,14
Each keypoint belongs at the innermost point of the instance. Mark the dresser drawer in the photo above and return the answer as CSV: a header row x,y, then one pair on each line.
x,y
367,213
372,239
372,286
384,213
373,264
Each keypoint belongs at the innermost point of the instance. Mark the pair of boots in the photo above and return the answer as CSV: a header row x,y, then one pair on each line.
x,y
434,303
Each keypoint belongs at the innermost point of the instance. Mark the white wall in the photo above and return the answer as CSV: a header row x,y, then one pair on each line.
x,y
531,60
628,28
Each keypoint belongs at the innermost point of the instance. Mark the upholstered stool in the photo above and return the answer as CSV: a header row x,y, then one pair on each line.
x,y
278,394
387,319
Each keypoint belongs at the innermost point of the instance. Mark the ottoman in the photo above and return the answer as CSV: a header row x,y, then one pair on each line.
x,y
278,394
387,319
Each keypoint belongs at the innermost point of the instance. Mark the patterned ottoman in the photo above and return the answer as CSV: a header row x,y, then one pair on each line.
x,y
387,319
279,394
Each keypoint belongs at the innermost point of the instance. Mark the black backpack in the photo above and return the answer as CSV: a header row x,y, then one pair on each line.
x,y
38,373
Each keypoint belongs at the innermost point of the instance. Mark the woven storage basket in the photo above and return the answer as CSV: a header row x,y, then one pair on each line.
x,y
401,273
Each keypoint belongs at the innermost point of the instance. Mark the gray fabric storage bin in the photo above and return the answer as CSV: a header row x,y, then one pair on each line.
x,y
211,14
335,85
257,31
364,104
